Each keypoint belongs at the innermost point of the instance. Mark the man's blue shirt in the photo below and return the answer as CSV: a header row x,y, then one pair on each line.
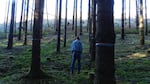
x,y
76,45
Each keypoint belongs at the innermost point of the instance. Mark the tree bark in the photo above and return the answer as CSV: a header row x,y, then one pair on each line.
x,y
146,23
56,17
6,22
26,24
74,5
35,71
10,38
80,17
141,24
59,28
137,15
20,23
129,14
105,39
93,27
65,24
76,17
123,16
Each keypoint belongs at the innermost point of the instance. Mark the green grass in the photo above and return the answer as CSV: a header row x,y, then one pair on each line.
x,y
131,61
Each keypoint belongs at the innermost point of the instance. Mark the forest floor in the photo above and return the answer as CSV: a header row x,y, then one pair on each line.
x,y
131,60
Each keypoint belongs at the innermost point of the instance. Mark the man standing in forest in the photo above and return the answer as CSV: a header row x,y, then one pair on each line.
x,y
76,48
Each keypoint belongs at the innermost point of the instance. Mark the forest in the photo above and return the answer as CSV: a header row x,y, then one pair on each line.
x,y
37,51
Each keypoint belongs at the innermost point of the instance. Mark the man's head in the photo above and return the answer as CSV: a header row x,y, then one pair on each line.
x,y
77,37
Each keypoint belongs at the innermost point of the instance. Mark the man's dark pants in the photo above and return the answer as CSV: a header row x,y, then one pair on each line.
x,y
76,55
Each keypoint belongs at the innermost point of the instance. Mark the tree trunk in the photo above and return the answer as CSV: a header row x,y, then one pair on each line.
x,y
56,17
15,23
137,15
35,71
105,39
88,25
76,17
89,20
10,38
141,24
93,27
122,30
146,23
80,17
26,23
20,24
7,16
65,23
47,14
59,27
129,14
74,5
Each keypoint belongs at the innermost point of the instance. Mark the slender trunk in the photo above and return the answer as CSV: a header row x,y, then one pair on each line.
x,y
15,26
65,23
20,24
125,23
10,38
137,15
73,14
47,14
89,19
93,30
146,23
26,23
76,18
129,14
88,25
122,30
80,17
141,24
105,40
56,16
59,28
6,23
